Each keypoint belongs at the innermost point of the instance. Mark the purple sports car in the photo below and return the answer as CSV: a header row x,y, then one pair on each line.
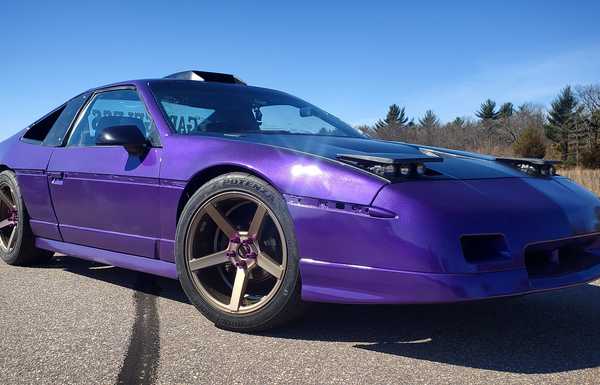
x,y
258,201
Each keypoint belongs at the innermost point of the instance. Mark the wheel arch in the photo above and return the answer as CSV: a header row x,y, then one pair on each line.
x,y
205,175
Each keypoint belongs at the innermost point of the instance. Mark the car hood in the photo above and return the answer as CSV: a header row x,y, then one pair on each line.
x,y
456,164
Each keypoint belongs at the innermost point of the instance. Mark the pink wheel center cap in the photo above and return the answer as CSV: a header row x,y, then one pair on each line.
x,y
242,252
245,251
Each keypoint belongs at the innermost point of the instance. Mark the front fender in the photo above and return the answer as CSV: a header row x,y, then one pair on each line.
x,y
291,172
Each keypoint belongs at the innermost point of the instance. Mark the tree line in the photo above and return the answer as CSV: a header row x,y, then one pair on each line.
x,y
568,130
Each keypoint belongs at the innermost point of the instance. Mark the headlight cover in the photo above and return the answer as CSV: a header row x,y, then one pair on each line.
x,y
533,167
392,167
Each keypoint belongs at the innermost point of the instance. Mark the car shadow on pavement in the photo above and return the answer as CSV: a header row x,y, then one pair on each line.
x,y
541,333
169,288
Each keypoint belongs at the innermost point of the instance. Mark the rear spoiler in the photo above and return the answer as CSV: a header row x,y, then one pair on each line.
x,y
532,166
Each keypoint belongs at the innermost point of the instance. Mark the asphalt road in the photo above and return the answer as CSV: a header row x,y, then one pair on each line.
x,y
75,322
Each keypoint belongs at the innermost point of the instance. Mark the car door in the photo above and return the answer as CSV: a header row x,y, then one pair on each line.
x,y
103,196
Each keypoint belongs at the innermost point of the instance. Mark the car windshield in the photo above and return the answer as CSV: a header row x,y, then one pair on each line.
x,y
197,108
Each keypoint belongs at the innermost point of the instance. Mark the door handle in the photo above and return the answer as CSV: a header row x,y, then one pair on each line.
x,y
56,178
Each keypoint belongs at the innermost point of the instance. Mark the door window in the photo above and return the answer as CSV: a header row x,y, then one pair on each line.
x,y
56,135
105,110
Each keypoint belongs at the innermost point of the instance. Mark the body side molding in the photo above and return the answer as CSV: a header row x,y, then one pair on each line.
x,y
126,261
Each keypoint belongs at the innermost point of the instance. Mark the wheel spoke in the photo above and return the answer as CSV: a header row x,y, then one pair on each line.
x,y
209,260
12,238
257,221
221,221
269,265
6,223
239,287
6,200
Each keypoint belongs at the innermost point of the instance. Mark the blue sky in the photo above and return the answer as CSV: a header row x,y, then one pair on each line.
x,y
352,58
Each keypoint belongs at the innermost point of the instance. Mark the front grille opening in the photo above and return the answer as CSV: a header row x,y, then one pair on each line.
x,y
555,261
485,248
430,172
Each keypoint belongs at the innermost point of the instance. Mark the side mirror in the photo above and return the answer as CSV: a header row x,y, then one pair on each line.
x,y
128,136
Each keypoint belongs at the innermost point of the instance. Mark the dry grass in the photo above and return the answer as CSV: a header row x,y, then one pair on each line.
x,y
588,178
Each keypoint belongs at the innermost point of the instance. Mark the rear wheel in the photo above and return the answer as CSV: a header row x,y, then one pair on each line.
x,y
236,254
16,240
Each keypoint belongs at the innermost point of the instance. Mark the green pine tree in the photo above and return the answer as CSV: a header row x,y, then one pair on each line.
x,y
561,120
429,120
487,111
458,122
506,110
391,127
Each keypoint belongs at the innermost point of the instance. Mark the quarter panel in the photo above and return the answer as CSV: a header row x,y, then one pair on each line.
x,y
29,161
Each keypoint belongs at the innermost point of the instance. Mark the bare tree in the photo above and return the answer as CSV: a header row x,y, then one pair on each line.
x,y
589,97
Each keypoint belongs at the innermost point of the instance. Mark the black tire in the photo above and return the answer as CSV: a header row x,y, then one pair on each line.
x,y
24,251
286,303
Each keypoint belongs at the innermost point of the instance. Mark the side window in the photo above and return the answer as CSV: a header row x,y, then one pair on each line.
x,y
108,109
51,129
38,131
186,119
56,135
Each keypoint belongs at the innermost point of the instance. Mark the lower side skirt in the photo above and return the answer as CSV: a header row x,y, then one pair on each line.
x,y
126,261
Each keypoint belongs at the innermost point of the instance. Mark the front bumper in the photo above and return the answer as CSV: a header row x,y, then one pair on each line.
x,y
450,241
339,283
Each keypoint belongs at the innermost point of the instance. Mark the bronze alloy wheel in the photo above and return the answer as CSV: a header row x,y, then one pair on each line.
x,y
235,252
9,218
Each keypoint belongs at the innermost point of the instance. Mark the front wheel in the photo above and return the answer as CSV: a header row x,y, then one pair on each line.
x,y
237,258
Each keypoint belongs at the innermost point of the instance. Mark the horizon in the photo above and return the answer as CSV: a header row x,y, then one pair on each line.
x,y
452,57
